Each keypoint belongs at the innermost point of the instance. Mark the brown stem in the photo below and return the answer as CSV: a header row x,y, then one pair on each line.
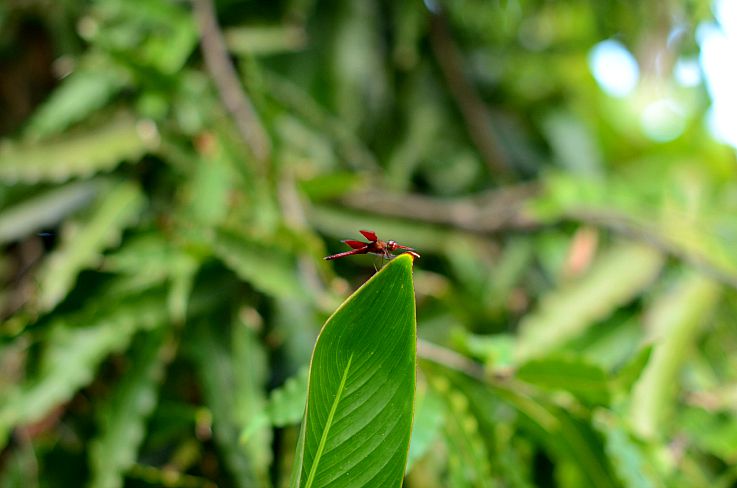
x,y
450,359
223,74
487,213
477,118
504,210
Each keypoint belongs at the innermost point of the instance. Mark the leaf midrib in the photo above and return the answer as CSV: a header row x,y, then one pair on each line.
x,y
328,423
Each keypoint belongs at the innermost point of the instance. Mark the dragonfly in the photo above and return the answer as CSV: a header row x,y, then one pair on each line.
x,y
374,246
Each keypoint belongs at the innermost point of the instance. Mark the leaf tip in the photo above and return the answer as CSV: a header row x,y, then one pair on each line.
x,y
411,254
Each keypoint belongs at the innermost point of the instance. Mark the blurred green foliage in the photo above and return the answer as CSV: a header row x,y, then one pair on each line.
x,y
162,233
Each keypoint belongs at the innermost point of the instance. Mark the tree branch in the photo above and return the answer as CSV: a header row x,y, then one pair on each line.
x,y
504,210
223,74
486,213
477,118
628,227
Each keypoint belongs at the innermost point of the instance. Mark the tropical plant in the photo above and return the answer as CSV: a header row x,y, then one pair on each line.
x,y
172,173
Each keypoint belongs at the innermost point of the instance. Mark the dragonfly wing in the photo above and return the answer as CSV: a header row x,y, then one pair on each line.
x,y
369,234
355,244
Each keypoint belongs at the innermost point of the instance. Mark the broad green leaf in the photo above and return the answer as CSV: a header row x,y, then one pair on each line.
x,y
286,407
45,209
616,277
84,241
674,323
359,411
75,346
78,154
122,419
584,379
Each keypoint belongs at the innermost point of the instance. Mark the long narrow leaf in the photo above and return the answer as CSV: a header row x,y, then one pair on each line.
x,y
616,277
674,323
232,370
123,417
44,209
87,89
78,154
76,346
83,245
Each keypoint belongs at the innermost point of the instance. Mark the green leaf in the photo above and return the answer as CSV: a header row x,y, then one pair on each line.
x,y
674,324
285,406
714,432
468,456
20,467
357,64
79,94
208,195
267,268
566,438
123,417
231,363
359,411
75,346
83,242
616,277
631,371
157,34
628,459
585,380
292,97
264,39
429,419
78,154
45,209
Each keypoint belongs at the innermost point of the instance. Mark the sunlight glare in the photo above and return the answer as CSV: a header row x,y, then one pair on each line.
x,y
614,68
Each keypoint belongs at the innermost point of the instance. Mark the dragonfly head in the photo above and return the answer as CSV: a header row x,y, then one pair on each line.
x,y
392,245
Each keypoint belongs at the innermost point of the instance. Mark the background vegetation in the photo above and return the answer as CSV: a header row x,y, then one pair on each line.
x,y
172,174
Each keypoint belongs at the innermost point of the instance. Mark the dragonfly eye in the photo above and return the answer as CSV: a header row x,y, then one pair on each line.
x,y
391,245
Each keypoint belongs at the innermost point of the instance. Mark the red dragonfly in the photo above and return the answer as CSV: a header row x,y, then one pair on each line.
x,y
375,246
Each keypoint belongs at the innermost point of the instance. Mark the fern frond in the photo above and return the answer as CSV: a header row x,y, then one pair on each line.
x,y
83,242
616,277
75,346
123,417
84,91
78,154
